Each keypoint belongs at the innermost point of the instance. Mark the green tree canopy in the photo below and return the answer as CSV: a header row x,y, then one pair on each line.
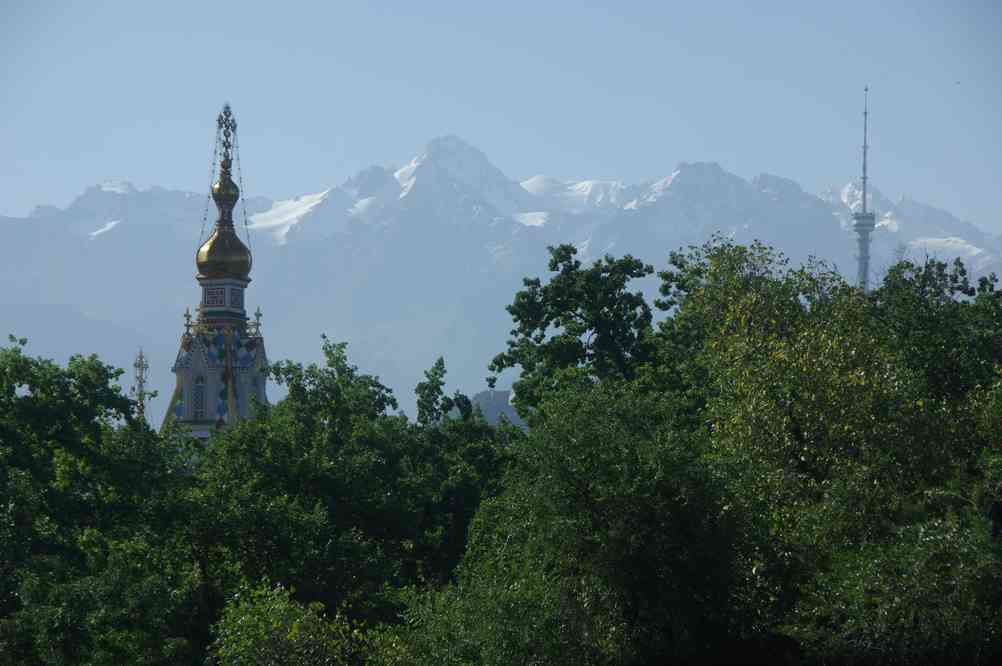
x,y
584,321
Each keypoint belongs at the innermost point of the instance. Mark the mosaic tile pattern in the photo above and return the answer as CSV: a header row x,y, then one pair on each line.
x,y
236,298
214,297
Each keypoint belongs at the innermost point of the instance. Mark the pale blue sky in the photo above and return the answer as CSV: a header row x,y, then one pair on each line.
x,y
98,90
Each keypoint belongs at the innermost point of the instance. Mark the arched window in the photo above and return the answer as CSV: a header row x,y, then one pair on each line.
x,y
198,399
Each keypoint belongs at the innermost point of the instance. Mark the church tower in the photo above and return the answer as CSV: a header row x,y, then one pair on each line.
x,y
221,366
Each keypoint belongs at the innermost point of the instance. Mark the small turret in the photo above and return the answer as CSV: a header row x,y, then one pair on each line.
x,y
139,388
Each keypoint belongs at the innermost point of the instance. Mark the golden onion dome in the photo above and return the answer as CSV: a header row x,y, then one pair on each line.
x,y
223,255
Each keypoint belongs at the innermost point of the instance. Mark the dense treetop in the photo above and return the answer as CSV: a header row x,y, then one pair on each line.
x,y
778,468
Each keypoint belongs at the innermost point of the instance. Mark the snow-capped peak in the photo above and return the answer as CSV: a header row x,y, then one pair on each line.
x,y
691,175
456,158
452,148
703,173
117,186
599,193
448,162
851,196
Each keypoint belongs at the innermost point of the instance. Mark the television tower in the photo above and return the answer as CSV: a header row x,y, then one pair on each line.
x,y
863,221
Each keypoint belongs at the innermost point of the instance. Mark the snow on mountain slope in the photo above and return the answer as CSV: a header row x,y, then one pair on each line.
x,y
700,199
657,189
407,264
448,162
915,230
924,219
543,186
533,219
697,178
975,258
850,196
117,187
106,228
283,215
578,196
591,194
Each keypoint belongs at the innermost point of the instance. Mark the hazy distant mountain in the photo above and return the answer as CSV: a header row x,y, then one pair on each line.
x,y
410,263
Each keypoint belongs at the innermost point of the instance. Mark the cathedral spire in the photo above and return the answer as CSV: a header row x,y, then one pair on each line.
x,y
223,254
225,192
221,367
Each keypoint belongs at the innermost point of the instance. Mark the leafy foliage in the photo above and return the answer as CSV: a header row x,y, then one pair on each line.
x,y
124,546
783,469
584,319
265,625
609,544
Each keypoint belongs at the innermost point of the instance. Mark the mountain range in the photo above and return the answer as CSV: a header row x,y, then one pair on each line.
x,y
408,263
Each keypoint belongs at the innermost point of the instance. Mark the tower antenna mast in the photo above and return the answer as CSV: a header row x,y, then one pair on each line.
x,y
864,221
866,146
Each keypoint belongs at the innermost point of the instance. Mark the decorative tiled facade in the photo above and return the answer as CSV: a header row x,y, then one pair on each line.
x,y
236,298
221,366
221,373
214,297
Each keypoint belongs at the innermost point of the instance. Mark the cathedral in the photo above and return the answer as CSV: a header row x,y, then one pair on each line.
x,y
221,367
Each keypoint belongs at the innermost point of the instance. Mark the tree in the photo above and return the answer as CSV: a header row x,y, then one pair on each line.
x,y
328,494
122,545
90,497
930,595
610,544
583,324
432,405
947,328
265,626
857,474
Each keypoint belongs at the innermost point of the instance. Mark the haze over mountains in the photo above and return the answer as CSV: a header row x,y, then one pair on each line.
x,y
407,263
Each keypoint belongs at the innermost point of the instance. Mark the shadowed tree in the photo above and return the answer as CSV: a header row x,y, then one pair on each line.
x,y
583,324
